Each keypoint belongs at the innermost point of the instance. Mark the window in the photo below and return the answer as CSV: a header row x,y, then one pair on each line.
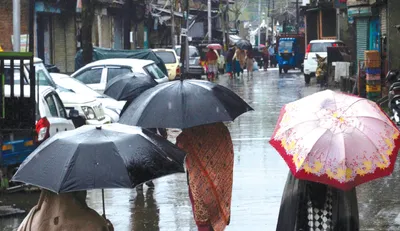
x,y
60,106
91,76
154,71
193,52
320,47
52,105
43,79
114,71
8,74
286,45
166,56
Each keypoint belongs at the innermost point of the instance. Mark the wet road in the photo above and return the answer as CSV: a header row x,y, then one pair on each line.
x,y
259,173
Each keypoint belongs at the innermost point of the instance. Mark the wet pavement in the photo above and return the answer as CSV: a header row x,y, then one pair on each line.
x,y
259,173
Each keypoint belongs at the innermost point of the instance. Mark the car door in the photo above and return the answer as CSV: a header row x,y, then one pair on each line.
x,y
93,77
57,114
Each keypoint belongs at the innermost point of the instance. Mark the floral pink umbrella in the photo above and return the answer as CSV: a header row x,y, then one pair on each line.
x,y
336,139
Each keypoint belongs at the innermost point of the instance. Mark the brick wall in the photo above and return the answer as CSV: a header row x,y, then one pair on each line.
x,y
393,18
6,22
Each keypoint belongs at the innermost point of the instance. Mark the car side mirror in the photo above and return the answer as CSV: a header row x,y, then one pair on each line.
x,y
73,114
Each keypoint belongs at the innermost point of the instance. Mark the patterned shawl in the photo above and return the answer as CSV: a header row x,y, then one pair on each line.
x,y
209,164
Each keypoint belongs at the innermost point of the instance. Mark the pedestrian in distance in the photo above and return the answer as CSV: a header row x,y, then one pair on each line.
x,y
229,61
308,206
249,62
209,164
212,64
240,61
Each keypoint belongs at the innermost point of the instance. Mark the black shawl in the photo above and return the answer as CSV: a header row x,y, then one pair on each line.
x,y
293,210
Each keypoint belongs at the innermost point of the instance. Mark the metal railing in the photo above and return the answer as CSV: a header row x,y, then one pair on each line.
x,y
17,107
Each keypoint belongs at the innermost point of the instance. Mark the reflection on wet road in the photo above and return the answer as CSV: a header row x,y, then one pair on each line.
x,y
259,173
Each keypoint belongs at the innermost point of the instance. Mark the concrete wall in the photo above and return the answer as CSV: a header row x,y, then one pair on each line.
x,y
6,22
393,34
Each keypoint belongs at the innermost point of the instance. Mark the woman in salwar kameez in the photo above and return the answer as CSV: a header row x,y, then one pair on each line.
x,y
309,206
209,164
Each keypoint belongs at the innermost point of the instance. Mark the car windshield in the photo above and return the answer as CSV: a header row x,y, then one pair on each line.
x,y
77,86
166,56
154,71
42,74
285,45
193,52
323,47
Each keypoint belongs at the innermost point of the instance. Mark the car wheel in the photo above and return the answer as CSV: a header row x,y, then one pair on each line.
x,y
307,78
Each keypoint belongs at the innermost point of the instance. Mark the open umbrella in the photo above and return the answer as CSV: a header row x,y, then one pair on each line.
x,y
243,44
336,139
128,86
182,104
214,46
90,157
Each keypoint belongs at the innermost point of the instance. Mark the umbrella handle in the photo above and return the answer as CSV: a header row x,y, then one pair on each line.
x,y
104,207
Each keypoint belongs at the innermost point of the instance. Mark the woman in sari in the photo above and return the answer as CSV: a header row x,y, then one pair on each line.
x,y
309,206
209,164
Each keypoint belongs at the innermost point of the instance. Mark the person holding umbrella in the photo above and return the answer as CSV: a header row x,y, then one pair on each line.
x,y
331,142
209,165
239,60
249,62
66,211
229,61
212,64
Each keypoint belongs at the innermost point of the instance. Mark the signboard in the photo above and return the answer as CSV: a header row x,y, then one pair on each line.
x,y
341,4
359,11
24,43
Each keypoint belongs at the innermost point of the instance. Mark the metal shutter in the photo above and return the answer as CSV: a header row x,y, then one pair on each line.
x,y
362,37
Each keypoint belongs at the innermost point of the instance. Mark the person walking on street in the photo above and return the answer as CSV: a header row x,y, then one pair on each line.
x,y
229,61
272,58
249,62
308,206
209,164
265,56
212,64
240,61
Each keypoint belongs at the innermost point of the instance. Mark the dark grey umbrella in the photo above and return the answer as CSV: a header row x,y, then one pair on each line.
x,y
90,157
128,86
183,104
243,44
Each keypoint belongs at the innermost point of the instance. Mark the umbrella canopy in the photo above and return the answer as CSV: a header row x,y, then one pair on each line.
x,y
243,44
336,139
90,157
214,46
183,104
128,86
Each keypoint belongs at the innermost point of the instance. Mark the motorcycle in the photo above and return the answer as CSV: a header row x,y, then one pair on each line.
x,y
393,78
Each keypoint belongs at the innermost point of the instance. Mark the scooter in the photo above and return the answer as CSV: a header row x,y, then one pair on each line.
x,y
393,78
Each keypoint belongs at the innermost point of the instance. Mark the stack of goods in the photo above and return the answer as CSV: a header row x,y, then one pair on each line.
x,y
373,74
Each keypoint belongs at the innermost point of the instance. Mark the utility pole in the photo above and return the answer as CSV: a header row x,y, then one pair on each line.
x,y
173,24
267,22
31,25
184,40
209,21
259,20
297,17
17,25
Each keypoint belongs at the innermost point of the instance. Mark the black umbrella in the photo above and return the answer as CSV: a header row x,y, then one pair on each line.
x,y
128,86
183,104
90,157
243,44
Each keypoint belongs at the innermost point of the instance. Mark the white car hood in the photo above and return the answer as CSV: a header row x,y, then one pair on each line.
x,y
112,103
73,98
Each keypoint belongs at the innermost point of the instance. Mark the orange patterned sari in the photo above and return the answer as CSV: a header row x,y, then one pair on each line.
x,y
209,164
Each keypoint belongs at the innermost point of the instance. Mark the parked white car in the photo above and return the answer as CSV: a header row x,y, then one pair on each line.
x,y
111,107
315,47
97,74
52,116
